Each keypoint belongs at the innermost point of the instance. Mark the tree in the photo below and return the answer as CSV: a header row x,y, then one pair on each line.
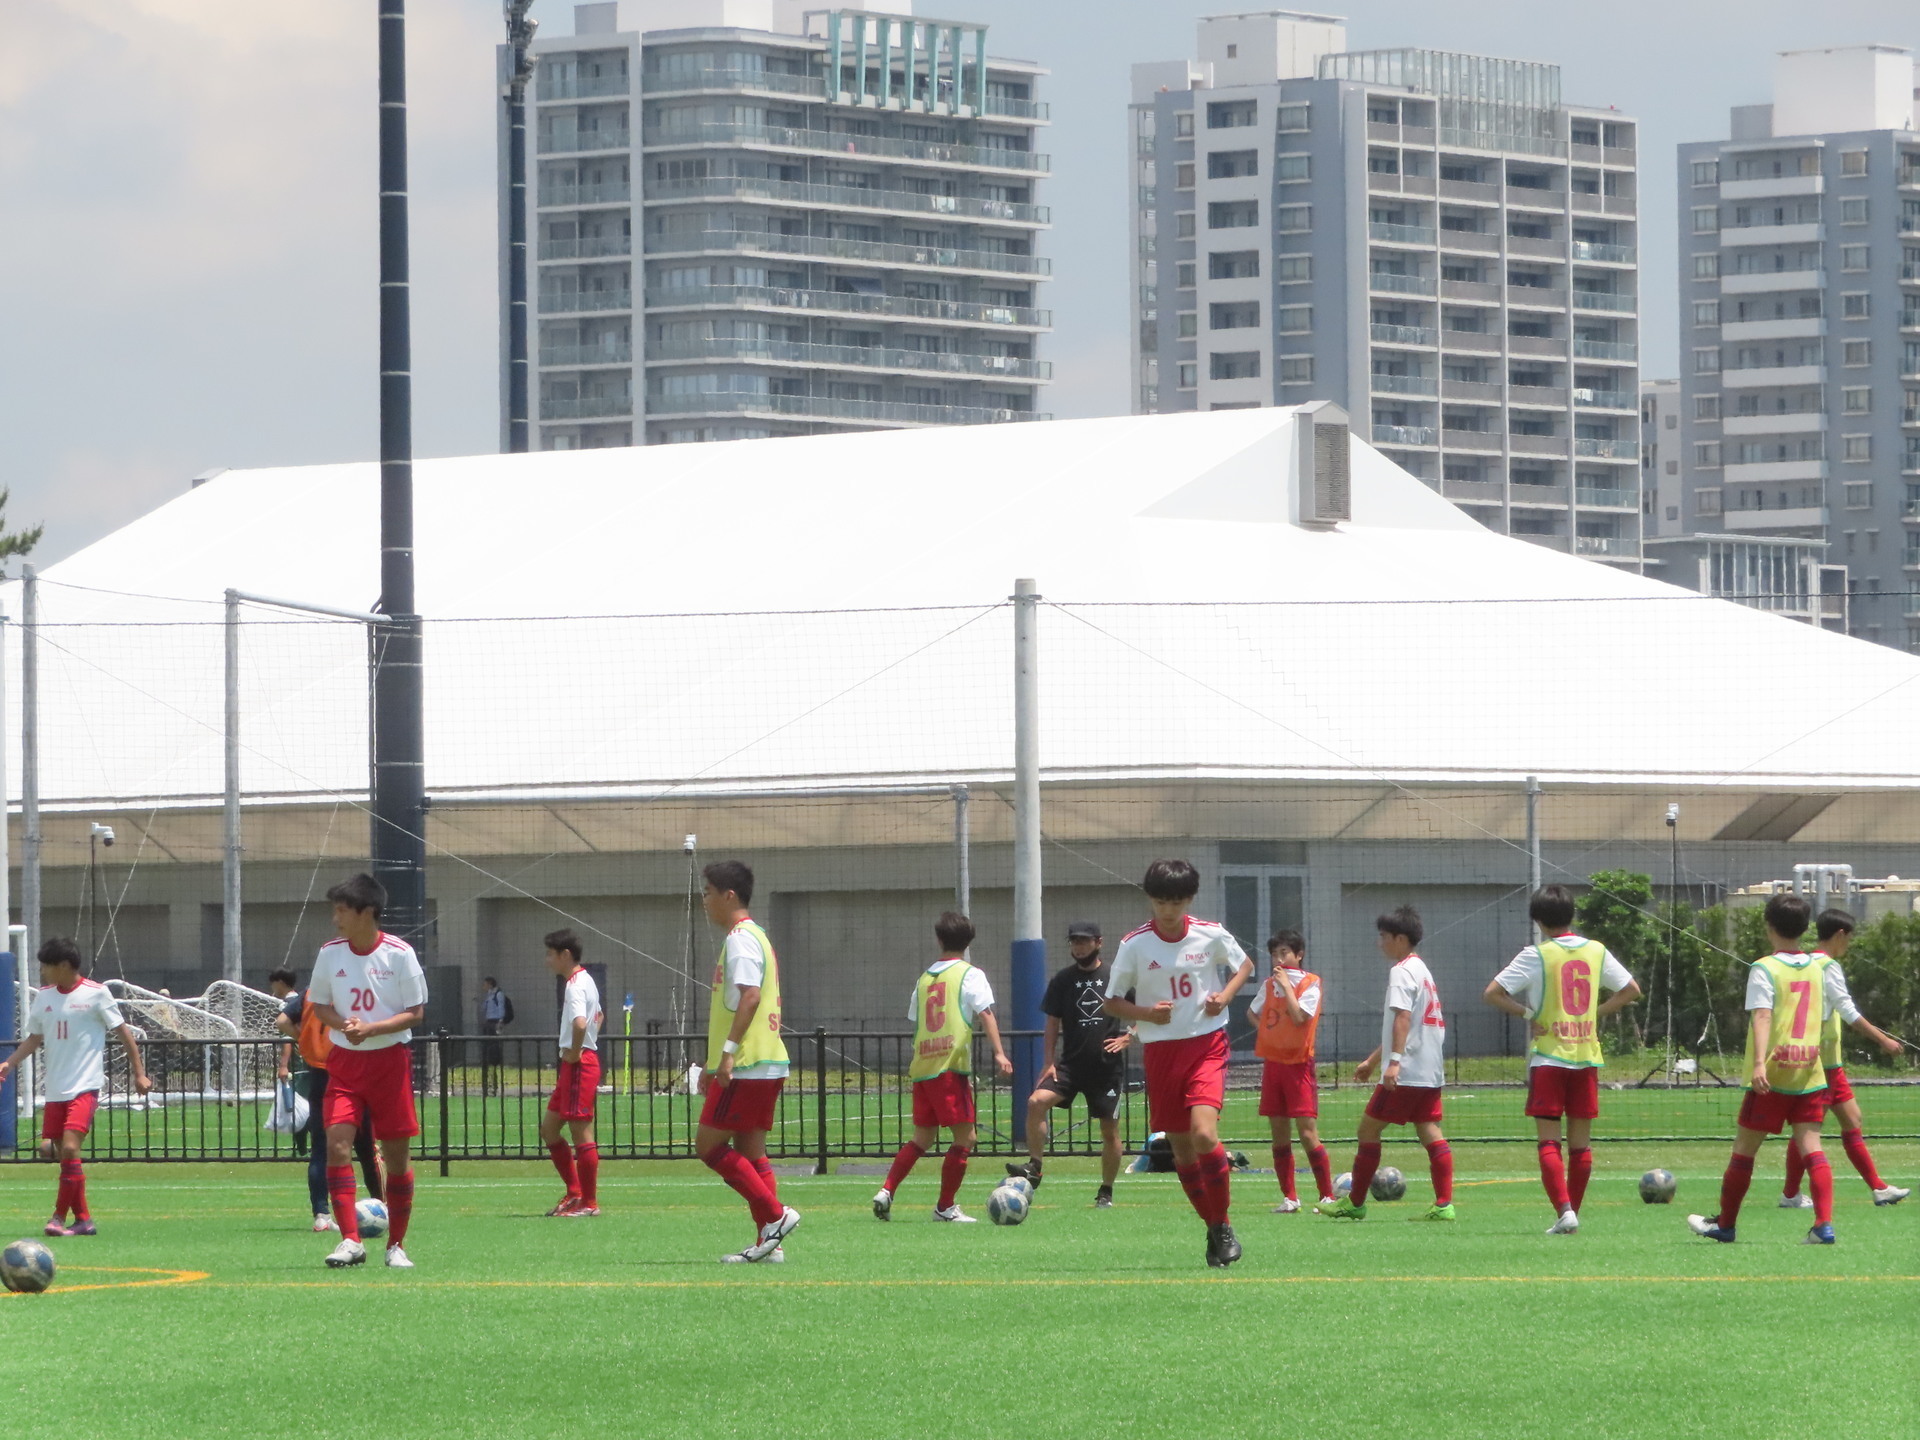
x,y
1618,912
15,542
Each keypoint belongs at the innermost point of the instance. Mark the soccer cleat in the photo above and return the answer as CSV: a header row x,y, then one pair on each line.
x,y
1708,1227
564,1208
1027,1171
347,1252
776,1256
581,1211
1567,1224
1341,1209
1819,1235
1287,1207
1222,1248
883,1205
1438,1212
57,1226
954,1215
82,1226
1103,1198
397,1259
323,1223
1796,1202
772,1233
1890,1195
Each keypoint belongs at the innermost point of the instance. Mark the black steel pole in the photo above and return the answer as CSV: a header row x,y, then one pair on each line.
x,y
519,36
399,775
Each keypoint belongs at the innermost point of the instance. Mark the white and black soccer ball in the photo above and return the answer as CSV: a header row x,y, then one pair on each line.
x,y
26,1266
1343,1184
1388,1184
1657,1187
1008,1205
372,1215
1020,1183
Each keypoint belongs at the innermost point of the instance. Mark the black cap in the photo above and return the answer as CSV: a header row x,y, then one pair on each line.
x,y
1083,930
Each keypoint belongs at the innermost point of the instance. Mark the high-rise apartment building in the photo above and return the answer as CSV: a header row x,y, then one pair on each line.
x,y
757,217
1435,241
1800,314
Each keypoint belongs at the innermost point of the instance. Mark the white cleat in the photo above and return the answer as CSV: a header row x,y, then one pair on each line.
x,y
747,1257
397,1259
772,1233
1890,1195
883,1205
1567,1224
1287,1207
347,1252
954,1215
323,1224
1796,1202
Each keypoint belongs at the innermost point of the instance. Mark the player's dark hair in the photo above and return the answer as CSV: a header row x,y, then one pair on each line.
x,y
1787,916
564,940
1404,921
1552,907
1171,880
734,875
58,950
1291,939
359,892
283,975
1830,923
953,930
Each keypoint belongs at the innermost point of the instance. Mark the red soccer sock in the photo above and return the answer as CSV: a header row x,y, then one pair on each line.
x,y
1216,1173
340,1191
1366,1160
72,1192
399,1205
1553,1176
953,1170
1579,1172
1195,1187
1733,1189
1796,1169
1855,1144
563,1162
1283,1167
1820,1182
733,1167
902,1166
763,1167
586,1159
1322,1170
1440,1167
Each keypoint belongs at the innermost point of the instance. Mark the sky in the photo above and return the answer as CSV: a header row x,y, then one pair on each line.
x,y
187,254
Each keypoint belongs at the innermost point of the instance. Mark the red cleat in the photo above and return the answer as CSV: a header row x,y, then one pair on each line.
x,y
566,1207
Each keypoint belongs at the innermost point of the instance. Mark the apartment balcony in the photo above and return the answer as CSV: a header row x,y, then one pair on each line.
x,y
1478,342
584,356
1805,517
1624,156
1910,274
735,82
1404,335
1910,415
1548,396
1484,391
593,247
908,362
1476,241
1623,351
1537,444
1768,282
1607,497
1470,190
1536,297
1422,435
1594,252
1763,375
1381,280
1534,247
1484,292
1540,197
579,142
1480,442
826,247
1603,204
900,307
1801,423
1811,327
1605,300
1769,472
554,197
1606,449
589,407
546,92
1910,319
1551,346
1773,187
779,137
581,302
1404,385
1743,236
844,197
1607,547
1588,399
820,407
1540,497
1400,234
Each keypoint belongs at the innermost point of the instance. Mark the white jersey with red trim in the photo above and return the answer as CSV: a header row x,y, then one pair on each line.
x,y
581,1002
1410,987
385,982
73,1026
1184,971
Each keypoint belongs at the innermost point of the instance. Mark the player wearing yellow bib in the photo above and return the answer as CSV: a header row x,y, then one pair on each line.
x,y
1786,1083
951,995
746,1061
1555,986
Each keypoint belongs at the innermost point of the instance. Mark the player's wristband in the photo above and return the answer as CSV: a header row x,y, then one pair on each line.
x,y
1395,1058
731,1047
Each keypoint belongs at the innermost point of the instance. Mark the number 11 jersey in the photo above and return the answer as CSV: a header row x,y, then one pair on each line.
x,y
376,986
1185,971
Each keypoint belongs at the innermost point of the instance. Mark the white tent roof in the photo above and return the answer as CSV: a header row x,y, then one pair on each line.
x,y
1192,630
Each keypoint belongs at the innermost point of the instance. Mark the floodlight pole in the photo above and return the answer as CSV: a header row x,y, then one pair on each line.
x,y
519,71
230,849
399,846
1029,934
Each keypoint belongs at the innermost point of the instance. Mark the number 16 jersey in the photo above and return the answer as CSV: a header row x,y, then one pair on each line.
x,y
383,983
1185,971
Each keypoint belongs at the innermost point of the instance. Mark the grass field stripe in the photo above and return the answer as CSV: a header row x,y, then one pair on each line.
x,y
166,1277
1089,1284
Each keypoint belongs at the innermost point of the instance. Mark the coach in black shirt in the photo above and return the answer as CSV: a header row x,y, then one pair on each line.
x,y
1088,1055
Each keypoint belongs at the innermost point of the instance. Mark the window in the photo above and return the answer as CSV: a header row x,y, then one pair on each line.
x,y
1295,319
1296,369
1706,454
1706,312
1859,495
1232,214
1234,265
1189,375
1234,365
1853,257
1188,322
1853,162
1706,219
1673,468
1183,175
1183,225
1856,447
1292,268
1183,275
1233,52
1706,360
1232,164
1854,305
1857,402
1293,167
1231,114
1706,267
1292,118
1293,217
1236,315
1853,211
1672,421
1706,172
1857,352
1183,124
1707,501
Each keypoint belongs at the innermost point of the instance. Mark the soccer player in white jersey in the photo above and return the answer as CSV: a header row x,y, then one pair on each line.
x,y
1174,966
69,1019
369,992
578,1083
1413,1041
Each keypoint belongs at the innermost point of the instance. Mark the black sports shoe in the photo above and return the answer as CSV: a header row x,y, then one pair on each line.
x,y
1027,1171
1222,1248
1103,1198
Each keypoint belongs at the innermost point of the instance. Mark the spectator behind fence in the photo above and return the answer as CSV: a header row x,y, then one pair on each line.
x,y
496,1014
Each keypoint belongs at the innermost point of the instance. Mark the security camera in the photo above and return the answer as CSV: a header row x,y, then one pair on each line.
x,y
690,844
103,833
1673,814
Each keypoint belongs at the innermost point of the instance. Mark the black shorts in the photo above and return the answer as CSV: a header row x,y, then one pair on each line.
x,y
1102,1088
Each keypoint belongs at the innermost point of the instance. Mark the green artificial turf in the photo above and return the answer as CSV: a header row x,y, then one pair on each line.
x,y
1081,1323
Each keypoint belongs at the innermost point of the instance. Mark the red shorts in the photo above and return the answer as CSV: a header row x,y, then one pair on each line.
x,y
1839,1088
574,1087
75,1114
372,1087
1182,1074
1773,1112
1405,1104
1289,1090
741,1104
946,1099
1554,1091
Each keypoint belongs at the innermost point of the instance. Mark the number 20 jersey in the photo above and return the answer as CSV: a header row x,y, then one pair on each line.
x,y
376,986
1184,971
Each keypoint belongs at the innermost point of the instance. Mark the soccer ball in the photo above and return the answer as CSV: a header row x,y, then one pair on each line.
x,y
1020,1183
26,1266
1657,1187
1343,1184
373,1218
1007,1205
1388,1184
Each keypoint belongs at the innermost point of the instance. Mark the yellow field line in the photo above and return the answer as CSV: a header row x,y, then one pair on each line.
x,y
167,1277
1088,1283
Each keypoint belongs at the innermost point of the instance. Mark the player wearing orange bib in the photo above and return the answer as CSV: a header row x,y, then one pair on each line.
x,y
1286,1008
